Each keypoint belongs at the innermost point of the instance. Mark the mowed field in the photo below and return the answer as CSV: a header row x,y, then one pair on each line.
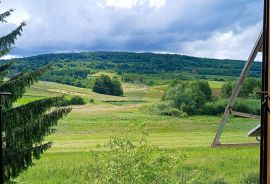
x,y
92,125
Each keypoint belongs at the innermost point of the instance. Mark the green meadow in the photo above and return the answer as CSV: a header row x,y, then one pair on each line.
x,y
91,126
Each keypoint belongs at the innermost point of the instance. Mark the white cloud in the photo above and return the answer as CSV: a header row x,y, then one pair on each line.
x,y
129,4
225,44
9,57
173,26
18,15
156,3
121,3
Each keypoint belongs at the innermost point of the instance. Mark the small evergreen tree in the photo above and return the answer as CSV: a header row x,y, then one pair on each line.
x,y
24,127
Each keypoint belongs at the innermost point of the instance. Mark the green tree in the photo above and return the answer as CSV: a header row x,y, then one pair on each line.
x,y
226,89
204,88
24,127
77,100
181,96
105,85
117,89
248,87
189,97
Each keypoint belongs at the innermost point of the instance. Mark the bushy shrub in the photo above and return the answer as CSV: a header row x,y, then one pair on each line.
x,y
65,102
250,106
105,85
77,100
248,89
188,97
226,89
215,108
74,100
128,161
92,100
173,112
165,108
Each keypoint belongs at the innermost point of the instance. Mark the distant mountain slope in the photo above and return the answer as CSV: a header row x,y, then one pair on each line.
x,y
79,65
142,62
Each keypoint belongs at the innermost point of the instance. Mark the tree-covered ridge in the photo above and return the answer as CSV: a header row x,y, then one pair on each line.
x,y
72,68
141,62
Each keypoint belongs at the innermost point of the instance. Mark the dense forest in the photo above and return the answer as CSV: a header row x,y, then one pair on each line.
x,y
74,68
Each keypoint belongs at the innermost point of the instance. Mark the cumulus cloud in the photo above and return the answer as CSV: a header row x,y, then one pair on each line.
x,y
226,44
175,26
133,3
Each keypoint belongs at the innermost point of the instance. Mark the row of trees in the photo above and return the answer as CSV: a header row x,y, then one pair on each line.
x,y
248,90
183,99
69,75
191,98
141,63
24,127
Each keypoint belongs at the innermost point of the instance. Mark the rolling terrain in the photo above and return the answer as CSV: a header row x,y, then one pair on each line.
x,y
91,126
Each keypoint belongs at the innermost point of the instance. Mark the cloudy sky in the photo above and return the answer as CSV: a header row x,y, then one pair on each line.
x,y
207,28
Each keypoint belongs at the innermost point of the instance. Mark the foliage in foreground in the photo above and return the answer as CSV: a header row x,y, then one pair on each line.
x,y
139,163
24,127
250,178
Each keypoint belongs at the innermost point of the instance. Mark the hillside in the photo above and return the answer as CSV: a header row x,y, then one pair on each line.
x,y
76,68
141,62
90,127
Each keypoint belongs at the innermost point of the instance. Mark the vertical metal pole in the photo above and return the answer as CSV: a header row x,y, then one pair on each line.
x,y
265,128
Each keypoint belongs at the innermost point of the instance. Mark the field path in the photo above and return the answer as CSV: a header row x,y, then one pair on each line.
x,y
102,108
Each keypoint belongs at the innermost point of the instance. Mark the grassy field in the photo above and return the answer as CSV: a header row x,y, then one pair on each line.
x,y
94,125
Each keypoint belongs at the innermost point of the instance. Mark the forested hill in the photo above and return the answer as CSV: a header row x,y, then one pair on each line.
x,y
138,63
74,68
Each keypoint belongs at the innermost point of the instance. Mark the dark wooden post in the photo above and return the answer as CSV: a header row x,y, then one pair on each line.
x,y
265,127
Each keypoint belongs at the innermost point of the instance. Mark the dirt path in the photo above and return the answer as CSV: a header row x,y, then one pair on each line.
x,y
102,108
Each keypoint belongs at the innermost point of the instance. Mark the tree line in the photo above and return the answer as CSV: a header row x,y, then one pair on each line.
x,y
70,67
183,99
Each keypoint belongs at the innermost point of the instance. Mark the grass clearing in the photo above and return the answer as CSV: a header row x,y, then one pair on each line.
x,y
93,125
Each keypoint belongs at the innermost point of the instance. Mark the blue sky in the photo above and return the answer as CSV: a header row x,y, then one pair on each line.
x,y
206,28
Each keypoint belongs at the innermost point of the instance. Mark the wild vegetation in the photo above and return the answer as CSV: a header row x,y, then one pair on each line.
x,y
100,142
95,133
101,136
158,131
248,90
196,97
